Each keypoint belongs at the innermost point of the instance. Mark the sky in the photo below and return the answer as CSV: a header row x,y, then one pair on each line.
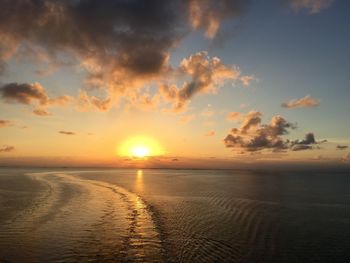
x,y
183,83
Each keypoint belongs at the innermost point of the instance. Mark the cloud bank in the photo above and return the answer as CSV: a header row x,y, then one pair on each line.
x,y
121,45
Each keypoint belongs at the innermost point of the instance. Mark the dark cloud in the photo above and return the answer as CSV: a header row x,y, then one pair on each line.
x,y
5,123
341,147
306,144
253,136
305,102
24,93
31,94
309,139
67,132
7,148
121,44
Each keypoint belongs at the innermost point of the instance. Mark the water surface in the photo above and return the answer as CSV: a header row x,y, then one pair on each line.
x,y
174,216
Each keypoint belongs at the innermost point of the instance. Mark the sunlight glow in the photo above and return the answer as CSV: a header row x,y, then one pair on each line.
x,y
140,147
140,151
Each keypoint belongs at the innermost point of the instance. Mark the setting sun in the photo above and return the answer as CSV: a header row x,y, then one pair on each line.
x,y
140,147
140,151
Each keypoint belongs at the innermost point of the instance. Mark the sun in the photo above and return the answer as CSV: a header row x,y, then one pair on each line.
x,y
140,151
140,147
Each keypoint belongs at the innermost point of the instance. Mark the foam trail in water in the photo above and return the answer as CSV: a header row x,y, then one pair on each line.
x,y
77,220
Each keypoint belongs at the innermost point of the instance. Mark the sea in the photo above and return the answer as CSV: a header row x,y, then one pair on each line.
x,y
169,215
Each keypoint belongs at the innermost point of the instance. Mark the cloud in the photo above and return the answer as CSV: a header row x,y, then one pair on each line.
x,y
5,123
87,102
186,118
41,112
341,147
346,158
306,144
233,116
305,102
207,113
207,15
314,6
210,133
143,101
31,94
207,75
67,132
24,93
120,45
247,79
253,136
7,148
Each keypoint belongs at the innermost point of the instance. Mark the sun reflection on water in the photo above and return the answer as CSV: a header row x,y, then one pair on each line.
x,y
139,180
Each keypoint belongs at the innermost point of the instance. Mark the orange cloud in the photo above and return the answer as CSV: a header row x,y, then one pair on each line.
x,y
41,112
187,118
207,75
305,102
233,116
7,148
5,123
208,14
210,133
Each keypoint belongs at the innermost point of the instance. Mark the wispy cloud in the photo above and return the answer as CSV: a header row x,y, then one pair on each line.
x,y
233,116
67,132
41,112
346,158
207,113
341,147
207,15
7,148
314,6
5,123
210,134
305,102
186,118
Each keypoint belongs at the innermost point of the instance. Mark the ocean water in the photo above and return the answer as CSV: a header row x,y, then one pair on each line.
x,y
174,216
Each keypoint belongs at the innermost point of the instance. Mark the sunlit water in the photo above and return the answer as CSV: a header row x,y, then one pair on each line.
x,y
173,216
